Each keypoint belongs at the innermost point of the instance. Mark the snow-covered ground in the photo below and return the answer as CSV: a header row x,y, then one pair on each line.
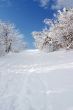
x,y
33,80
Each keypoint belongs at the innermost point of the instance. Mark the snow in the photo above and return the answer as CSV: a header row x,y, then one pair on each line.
x,y
33,80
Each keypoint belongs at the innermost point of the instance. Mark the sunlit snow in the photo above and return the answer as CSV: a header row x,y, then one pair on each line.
x,y
33,80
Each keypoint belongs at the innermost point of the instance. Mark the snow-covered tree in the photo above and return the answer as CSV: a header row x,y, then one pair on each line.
x,y
65,28
10,38
58,34
39,39
44,42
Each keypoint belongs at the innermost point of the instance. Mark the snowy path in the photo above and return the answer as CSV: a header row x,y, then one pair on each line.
x,y
36,81
35,68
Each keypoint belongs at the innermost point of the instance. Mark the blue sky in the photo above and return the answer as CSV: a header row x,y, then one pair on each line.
x,y
28,15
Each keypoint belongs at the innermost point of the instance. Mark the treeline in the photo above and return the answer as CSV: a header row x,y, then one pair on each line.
x,y
58,33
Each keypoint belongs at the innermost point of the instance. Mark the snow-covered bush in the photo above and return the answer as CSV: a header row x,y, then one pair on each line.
x,y
58,34
39,39
10,38
45,42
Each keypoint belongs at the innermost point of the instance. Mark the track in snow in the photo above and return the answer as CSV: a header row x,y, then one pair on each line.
x,y
36,81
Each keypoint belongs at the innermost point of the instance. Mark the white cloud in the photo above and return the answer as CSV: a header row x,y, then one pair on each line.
x,y
58,3
43,3
63,3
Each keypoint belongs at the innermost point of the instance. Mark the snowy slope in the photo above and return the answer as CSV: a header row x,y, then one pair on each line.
x,y
36,81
